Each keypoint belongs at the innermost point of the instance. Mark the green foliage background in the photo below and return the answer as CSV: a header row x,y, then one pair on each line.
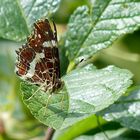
x,y
89,105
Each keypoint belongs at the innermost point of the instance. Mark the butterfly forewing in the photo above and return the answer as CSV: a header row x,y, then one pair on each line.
x,y
38,60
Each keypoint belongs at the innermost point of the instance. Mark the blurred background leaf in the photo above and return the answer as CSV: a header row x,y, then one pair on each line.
x,y
119,134
126,110
16,120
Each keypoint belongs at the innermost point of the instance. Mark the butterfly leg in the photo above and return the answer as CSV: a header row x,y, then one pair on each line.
x,y
62,101
46,106
36,91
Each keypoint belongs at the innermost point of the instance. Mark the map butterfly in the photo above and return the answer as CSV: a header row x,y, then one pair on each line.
x,y
38,60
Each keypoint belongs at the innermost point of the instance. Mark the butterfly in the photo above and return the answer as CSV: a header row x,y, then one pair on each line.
x,y
38,59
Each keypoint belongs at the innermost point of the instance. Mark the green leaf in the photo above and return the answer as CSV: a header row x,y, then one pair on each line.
x,y
16,17
35,9
50,109
90,90
108,135
125,111
12,23
90,30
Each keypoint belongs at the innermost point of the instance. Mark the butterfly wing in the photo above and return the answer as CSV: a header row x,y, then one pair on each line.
x,y
38,60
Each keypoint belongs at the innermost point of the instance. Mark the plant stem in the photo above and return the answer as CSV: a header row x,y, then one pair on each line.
x,y
50,133
71,66
99,125
2,130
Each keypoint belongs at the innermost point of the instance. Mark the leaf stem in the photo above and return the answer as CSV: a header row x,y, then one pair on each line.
x,y
100,127
71,66
49,133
